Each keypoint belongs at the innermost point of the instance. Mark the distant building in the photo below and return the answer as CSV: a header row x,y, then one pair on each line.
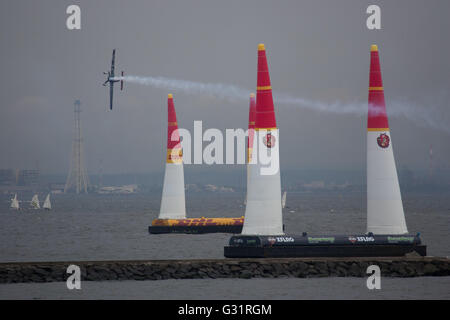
x,y
315,185
28,177
214,188
56,188
192,188
131,188
7,177
19,177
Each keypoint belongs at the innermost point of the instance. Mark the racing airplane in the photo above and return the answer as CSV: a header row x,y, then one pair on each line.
x,y
111,80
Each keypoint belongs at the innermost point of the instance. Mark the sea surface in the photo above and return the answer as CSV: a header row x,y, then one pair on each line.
x,y
114,227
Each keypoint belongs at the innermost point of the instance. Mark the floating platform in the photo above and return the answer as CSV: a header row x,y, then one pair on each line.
x,y
197,225
324,246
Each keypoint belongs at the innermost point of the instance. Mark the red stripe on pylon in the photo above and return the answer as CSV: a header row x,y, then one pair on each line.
x,y
173,138
265,113
377,117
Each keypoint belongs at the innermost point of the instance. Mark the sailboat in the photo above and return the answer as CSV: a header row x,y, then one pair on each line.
x,y
283,200
15,203
47,205
35,202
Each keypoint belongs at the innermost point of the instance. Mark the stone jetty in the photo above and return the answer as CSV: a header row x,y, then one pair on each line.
x,y
16,272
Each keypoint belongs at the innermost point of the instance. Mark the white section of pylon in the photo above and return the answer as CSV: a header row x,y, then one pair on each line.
x,y
173,204
263,213
385,213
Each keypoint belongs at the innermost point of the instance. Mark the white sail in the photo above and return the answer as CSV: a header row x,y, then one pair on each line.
x,y
47,205
15,202
35,202
283,200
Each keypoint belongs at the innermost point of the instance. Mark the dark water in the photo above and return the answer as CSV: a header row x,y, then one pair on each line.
x,y
219,289
99,227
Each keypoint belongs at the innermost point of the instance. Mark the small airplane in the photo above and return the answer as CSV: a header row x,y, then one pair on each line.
x,y
111,80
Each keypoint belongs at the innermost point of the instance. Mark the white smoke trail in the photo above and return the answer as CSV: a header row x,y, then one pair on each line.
x,y
233,93
402,109
222,91
431,117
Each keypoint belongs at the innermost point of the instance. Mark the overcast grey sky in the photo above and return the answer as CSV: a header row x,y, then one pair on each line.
x,y
317,50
